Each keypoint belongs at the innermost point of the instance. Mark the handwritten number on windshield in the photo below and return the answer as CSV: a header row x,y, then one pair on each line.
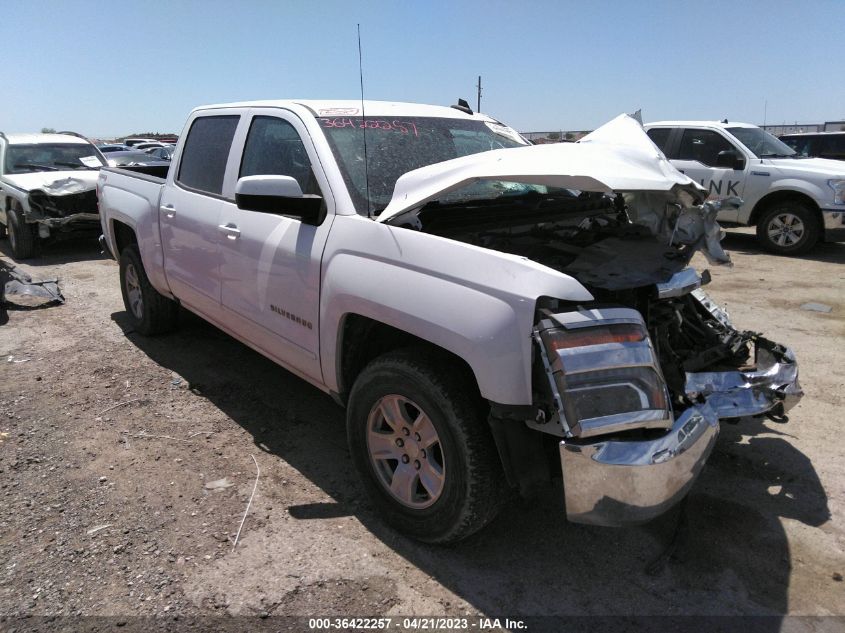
x,y
405,127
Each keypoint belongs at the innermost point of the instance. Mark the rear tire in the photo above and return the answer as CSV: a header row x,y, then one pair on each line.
x,y
22,236
149,311
421,444
789,227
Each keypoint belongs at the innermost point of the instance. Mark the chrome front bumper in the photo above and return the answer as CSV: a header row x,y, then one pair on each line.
x,y
618,481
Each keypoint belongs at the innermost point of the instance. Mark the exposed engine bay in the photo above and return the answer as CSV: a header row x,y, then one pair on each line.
x,y
625,257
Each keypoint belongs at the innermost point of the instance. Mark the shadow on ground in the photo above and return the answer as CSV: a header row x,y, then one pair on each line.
x,y
67,250
732,558
745,242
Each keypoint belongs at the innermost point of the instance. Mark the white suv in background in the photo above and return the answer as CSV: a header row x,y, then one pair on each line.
x,y
793,201
47,188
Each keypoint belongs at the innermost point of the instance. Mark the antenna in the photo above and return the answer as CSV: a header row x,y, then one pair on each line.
x,y
364,125
478,105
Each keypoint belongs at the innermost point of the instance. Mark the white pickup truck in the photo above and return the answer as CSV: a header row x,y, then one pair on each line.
x,y
491,314
794,201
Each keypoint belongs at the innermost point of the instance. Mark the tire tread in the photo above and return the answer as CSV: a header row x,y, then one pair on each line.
x,y
160,313
485,479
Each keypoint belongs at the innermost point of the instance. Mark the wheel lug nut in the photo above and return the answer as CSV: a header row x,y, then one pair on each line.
x,y
406,431
400,442
416,464
423,454
405,459
417,437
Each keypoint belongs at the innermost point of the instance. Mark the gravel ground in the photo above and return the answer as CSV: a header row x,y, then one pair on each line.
x,y
126,465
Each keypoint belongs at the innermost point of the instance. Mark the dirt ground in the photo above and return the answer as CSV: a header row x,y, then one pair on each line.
x,y
133,510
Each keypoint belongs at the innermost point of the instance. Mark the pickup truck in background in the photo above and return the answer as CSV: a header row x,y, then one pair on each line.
x,y
491,314
794,201
47,184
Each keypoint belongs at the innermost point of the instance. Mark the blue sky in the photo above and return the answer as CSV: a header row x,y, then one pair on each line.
x,y
113,68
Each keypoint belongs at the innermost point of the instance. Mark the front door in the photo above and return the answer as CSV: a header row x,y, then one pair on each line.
x,y
270,264
696,157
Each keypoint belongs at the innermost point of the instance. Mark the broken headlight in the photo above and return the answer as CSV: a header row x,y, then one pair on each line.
x,y
603,372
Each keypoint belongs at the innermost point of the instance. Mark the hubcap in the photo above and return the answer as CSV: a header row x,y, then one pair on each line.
x,y
133,292
405,451
785,229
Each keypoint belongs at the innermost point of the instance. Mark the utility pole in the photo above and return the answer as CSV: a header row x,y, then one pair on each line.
x,y
478,105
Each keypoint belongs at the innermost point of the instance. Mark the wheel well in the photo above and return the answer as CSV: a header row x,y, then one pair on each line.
x,y
124,235
363,339
779,196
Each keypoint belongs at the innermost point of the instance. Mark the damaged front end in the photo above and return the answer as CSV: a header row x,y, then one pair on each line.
x,y
632,384
65,205
635,427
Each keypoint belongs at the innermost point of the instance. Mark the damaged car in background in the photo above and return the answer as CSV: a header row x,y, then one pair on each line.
x,y
491,314
47,188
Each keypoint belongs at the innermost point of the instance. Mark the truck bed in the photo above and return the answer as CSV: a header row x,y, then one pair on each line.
x,y
154,173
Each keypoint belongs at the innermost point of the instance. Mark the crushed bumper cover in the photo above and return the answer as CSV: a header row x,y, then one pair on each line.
x,y
77,220
619,481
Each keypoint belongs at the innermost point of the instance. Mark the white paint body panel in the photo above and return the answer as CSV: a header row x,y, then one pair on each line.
x,y
616,157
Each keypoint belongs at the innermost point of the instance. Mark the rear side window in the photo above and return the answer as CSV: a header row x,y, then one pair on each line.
x,y
703,146
274,148
833,146
660,137
206,152
801,145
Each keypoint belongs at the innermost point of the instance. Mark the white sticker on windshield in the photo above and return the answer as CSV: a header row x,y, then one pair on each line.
x,y
90,161
504,130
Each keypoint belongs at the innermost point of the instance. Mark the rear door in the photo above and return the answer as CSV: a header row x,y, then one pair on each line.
x,y
695,155
270,264
190,209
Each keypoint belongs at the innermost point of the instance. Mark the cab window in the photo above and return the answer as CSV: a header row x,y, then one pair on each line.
x,y
833,146
274,148
660,137
206,153
703,146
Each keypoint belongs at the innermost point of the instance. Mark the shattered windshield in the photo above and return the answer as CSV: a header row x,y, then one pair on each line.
x,y
761,143
22,159
396,146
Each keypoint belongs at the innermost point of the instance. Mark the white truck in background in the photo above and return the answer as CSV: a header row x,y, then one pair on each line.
x,y
794,201
491,314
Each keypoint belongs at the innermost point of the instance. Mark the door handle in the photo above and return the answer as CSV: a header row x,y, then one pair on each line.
x,y
168,210
230,230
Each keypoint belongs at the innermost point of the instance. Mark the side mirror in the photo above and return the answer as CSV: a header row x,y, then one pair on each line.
x,y
279,195
730,159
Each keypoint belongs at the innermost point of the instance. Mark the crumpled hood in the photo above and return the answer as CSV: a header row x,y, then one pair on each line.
x,y
801,167
618,157
55,183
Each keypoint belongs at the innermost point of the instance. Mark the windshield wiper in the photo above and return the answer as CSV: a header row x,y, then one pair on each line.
x,y
777,155
35,166
74,165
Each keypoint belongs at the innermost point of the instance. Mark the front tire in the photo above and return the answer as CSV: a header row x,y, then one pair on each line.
x,y
788,228
149,311
420,442
22,236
